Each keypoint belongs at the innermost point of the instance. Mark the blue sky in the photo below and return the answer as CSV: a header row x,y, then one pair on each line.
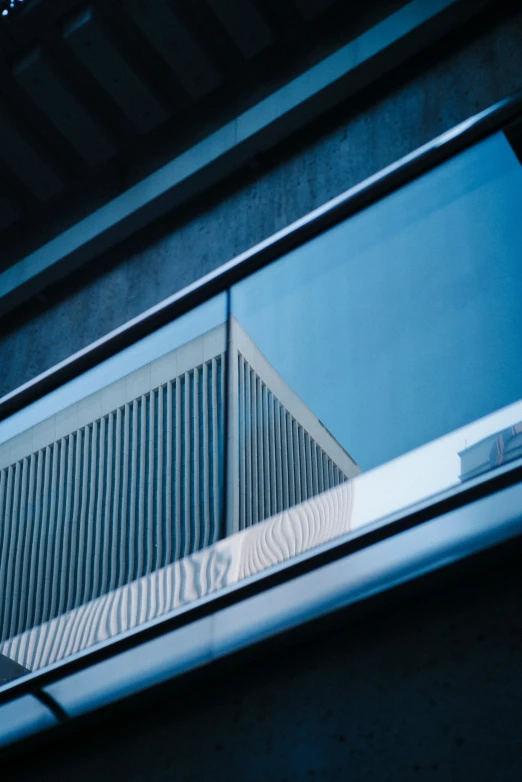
x,y
403,323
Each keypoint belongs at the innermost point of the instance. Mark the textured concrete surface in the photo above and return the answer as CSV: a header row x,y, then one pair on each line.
x,y
426,98
427,689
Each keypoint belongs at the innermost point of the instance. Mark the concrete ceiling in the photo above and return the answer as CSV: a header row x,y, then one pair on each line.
x,y
93,97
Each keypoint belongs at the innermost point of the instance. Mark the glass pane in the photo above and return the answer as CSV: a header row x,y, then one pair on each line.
x,y
395,330
109,479
385,332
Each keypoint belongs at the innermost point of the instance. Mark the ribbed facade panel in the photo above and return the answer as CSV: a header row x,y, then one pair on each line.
x,y
280,464
112,501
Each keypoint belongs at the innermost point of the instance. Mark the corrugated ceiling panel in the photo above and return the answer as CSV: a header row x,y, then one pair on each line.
x,y
36,175
245,24
172,40
7,47
8,214
42,84
93,45
310,8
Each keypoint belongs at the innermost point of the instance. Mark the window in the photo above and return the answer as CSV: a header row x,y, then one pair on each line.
x,y
367,369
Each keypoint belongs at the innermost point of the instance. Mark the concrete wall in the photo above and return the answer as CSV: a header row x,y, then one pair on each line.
x,y
474,69
429,689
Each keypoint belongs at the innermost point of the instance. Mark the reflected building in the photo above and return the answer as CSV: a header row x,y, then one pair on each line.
x,y
132,478
490,452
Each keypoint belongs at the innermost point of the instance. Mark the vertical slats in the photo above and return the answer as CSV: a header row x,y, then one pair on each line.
x,y
159,470
315,472
13,545
272,440
255,454
41,581
66,567
5,529
19,545
6,543
3,481
186,511
33,567
279,460
325,472
116,523
222,444
141,490
91,441
99,541
133,488
296,471
176,403
248,450
266,452
309,476
74,557
54,452
150,520
126,459
215,451
205,456
241,441
58,544
26,555
3,522
280,464
196,465
169,439
259,471
284,456
108,486
302,464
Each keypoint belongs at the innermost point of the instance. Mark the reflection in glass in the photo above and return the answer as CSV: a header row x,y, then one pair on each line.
x,y
281,454
10,669
114,486
343,510
107,505
392,331
107,501
224,564
490,452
